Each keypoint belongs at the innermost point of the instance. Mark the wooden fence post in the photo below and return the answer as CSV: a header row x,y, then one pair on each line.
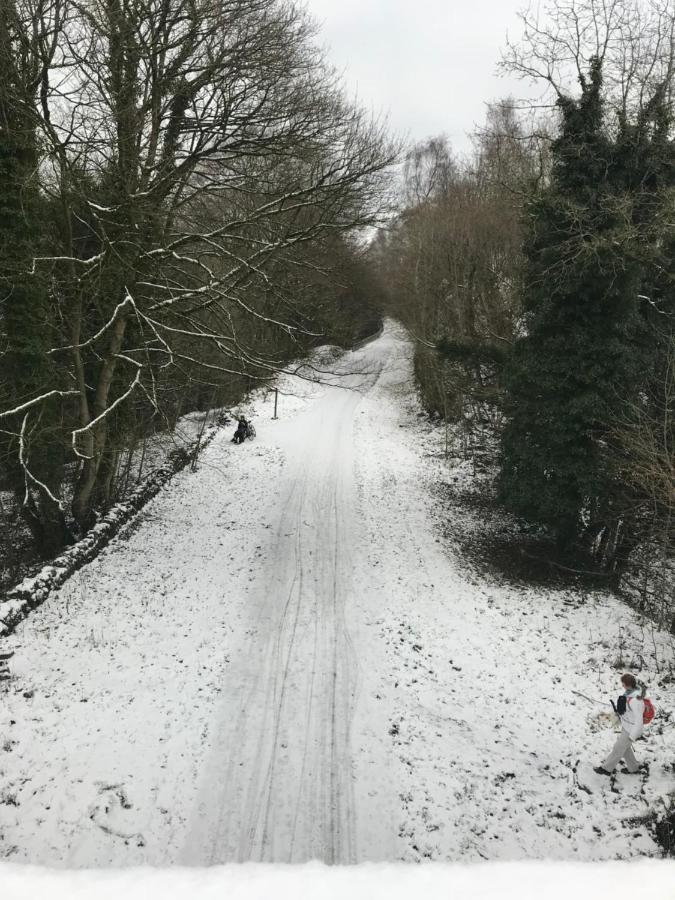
x,y
4,665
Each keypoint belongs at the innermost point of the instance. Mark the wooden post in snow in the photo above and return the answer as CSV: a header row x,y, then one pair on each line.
x,y
4,665
276,400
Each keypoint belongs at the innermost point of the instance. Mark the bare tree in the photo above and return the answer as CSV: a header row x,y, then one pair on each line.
x,y
632,40
188,147
642,452
450,259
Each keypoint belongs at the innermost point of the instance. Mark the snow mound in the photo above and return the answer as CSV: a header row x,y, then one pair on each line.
x,y
524,881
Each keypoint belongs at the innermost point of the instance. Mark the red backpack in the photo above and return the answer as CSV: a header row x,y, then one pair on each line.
x,y
648,713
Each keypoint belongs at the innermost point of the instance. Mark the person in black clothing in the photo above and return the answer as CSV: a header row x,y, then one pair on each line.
x,y
240,433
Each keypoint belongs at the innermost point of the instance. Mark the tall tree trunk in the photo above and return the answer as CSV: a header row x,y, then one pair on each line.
x,y
97,435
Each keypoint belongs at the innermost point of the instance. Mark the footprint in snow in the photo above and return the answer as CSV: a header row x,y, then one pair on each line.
x,y
112,814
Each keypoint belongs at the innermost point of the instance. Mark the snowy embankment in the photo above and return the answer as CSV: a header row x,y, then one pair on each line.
x,y
282,659
33,590
496,881
153,465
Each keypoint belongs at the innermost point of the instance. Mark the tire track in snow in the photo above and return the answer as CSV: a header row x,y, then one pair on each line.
x,y
279,784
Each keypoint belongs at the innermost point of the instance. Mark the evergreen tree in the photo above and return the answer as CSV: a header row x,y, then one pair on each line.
x,y
25,370
585,349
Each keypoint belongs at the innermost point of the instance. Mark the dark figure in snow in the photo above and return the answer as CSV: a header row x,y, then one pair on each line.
x,y
242,429
630,708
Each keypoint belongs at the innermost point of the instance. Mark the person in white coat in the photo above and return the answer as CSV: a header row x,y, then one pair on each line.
x,y
630,710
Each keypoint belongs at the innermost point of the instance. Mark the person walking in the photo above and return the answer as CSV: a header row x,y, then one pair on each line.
x,y
630,709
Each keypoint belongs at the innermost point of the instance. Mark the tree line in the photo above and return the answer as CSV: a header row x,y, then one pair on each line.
x,y
182,189
538,279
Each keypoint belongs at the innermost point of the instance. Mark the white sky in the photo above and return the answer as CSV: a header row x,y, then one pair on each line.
x,y
429,63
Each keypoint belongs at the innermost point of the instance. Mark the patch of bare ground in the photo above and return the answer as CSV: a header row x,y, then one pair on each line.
x,y
493,541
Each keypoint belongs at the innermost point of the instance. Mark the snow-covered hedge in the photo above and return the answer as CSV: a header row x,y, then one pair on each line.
x,y
34,590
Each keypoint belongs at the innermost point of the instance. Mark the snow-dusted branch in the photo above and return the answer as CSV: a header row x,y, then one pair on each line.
x,y
92,260
29,404
78,432
119,309
28,475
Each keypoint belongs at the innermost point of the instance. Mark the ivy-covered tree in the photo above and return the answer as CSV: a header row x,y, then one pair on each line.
x,y
586,350
29,445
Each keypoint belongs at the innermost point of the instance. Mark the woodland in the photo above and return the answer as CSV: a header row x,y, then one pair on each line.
x,y
537,277
181,184
189,203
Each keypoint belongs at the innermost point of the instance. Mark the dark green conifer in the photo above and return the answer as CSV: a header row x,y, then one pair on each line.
x,y
25,368
584,351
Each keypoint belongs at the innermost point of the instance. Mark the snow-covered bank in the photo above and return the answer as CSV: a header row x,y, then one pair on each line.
x,y
281,660
160,462
492,753
648,880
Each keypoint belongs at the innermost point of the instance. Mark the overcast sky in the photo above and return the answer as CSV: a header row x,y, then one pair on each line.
x,y
429,63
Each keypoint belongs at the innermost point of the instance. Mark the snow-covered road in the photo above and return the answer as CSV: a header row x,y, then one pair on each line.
x,y
281,660
279,784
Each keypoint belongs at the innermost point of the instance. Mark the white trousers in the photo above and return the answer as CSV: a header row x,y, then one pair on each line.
x,y
623,748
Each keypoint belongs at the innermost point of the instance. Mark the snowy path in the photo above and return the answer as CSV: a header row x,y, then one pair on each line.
x,y
280,660
282,758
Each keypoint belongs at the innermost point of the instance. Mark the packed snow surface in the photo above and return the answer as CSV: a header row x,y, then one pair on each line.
x,y
652,880
283,659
